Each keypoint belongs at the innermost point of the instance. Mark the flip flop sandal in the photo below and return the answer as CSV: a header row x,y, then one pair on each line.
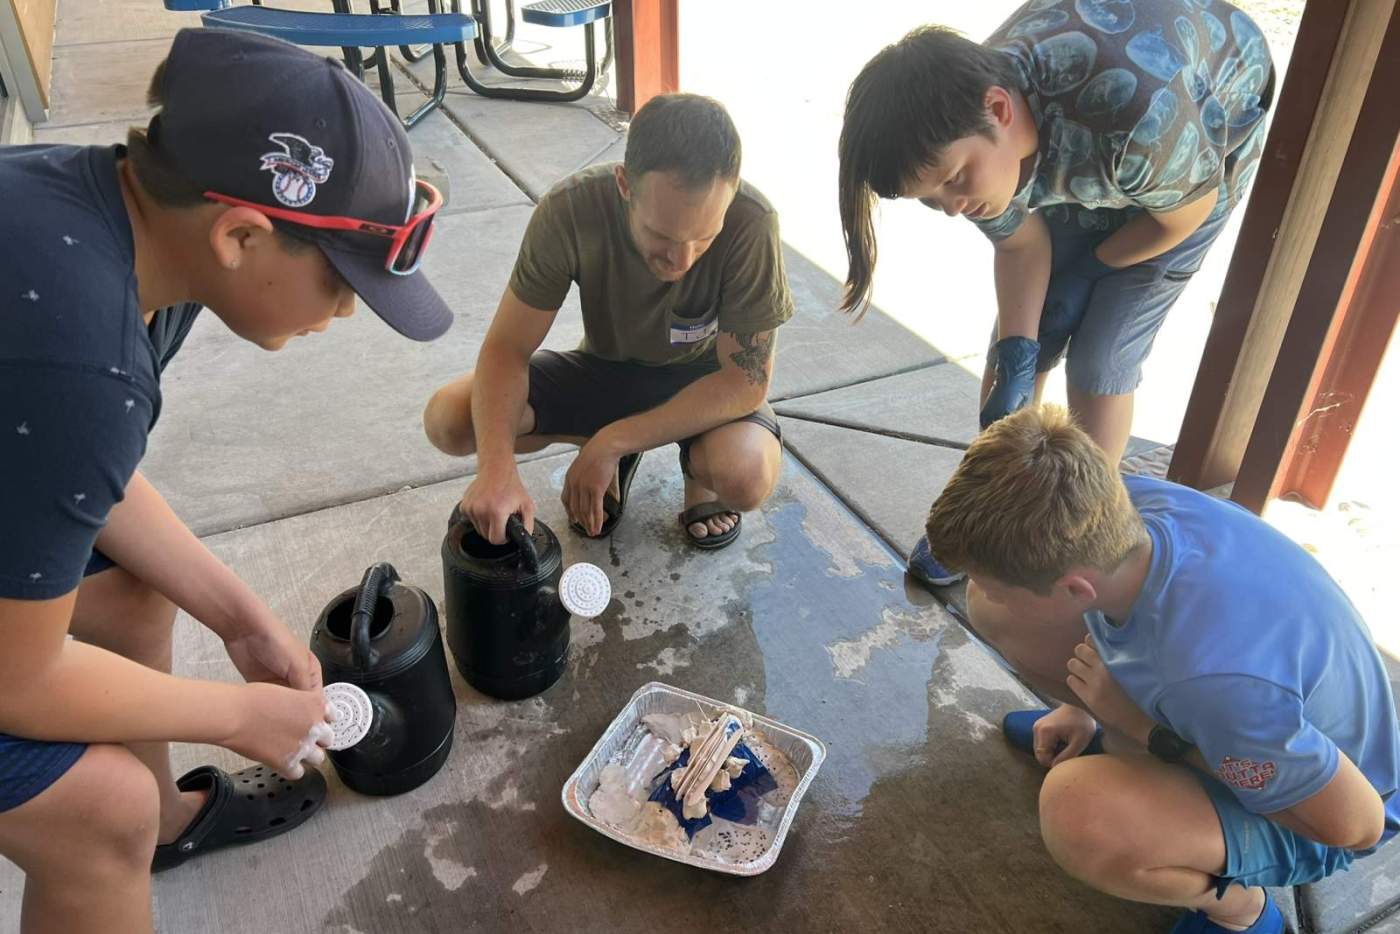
x,y
245,807
704,511
613,505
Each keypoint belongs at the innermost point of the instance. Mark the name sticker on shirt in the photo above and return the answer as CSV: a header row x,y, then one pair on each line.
x,y
682,333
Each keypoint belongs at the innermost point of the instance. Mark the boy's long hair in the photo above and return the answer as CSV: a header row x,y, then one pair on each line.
x,y
1033,498
903,109
687,134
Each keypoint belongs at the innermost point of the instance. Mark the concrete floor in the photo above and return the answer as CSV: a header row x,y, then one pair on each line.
x,y
301,468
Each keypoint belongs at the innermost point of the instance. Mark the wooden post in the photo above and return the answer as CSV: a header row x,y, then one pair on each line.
x,y
647,50
1346,300
1362,334
1265,271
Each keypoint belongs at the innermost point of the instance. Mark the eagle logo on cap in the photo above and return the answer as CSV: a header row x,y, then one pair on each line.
x,y
297,169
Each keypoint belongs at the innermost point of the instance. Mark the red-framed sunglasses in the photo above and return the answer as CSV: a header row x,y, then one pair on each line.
x,y
407,242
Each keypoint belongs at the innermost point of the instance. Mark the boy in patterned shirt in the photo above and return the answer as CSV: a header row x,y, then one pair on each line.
x,y
1100,144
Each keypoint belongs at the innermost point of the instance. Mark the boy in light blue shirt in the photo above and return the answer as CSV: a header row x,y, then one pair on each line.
x,y
1261,744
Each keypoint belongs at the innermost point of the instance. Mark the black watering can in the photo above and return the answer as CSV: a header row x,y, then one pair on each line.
x,y
383,637
508,606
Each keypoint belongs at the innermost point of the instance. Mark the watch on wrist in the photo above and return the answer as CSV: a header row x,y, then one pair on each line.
x,y
1166,745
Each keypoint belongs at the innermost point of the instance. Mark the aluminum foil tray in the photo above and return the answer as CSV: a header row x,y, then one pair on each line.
x,y
629,743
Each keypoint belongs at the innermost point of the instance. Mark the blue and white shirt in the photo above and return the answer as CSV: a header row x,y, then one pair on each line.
x,y
1242,643
1146,104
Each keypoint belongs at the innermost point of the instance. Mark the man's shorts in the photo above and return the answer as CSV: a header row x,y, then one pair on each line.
x,y
575,394
29,766
1261,852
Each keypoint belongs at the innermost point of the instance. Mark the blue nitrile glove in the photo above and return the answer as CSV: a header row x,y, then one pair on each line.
x,y
1014,383
1067,298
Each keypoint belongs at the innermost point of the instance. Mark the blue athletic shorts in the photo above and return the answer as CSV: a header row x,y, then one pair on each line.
x,y
1261,852
1126,310
29,766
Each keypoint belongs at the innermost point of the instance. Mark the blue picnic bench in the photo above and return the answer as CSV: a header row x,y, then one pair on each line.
x,y
382,29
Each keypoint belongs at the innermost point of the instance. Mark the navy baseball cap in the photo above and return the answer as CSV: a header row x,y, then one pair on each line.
x,y
264,122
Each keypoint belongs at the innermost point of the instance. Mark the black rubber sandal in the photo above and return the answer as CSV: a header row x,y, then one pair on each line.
x,y
703,511
245,807
613,505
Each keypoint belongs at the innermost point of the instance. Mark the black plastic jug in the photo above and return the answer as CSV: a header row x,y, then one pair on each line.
x,y
507,627
383,637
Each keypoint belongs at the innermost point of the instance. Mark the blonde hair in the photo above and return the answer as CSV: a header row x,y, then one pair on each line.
x,y
1033,497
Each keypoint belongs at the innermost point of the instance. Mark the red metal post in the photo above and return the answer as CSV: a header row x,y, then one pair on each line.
x,y
647,35
1352,362
1344,300
1227,391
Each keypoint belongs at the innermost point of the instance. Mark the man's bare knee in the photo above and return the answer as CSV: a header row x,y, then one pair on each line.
x,y
745,485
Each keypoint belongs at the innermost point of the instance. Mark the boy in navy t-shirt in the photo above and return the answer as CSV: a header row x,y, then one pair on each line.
x,y
271,188
1260,738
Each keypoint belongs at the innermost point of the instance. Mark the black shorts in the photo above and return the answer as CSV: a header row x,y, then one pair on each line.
x,y
574,394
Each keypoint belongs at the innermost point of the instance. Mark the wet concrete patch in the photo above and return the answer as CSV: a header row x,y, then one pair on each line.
x,y
920,818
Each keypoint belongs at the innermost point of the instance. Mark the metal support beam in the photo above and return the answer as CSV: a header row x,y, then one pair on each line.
x,y
1345,310
1253,308
648,51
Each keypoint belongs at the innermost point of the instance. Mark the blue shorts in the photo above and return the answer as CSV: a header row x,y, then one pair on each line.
x,y
1127,307
28,766
1261,852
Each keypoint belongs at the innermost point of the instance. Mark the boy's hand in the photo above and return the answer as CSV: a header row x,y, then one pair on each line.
x,y
1014,384
1067,298
589,477
1062,734
492,498
1091,682
280,728
269,652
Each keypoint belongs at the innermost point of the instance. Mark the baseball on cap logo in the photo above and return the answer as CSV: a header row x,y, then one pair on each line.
x,y
297,170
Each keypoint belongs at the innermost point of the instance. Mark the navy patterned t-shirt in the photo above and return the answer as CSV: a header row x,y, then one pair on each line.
x,y
1146,104
79,367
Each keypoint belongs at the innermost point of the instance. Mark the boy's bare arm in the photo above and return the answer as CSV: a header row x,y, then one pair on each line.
x,y
58,689
1346,813
1151,234
1021,270
145,537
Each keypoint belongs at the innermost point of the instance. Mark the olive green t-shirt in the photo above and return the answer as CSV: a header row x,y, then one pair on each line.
x,y
579,233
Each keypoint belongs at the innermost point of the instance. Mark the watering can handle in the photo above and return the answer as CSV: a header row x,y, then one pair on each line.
x,y
515,531
378,579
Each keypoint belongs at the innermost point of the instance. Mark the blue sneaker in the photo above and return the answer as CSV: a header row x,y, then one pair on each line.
x,y
926,569
1019,729
1195,922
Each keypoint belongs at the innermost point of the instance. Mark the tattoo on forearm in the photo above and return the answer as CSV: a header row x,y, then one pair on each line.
x,y
753,355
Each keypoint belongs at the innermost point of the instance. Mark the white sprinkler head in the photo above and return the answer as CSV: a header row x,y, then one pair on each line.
x,y
584,590
353,713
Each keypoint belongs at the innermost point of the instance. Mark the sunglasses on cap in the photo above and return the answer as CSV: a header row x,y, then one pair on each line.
x,y
407,242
